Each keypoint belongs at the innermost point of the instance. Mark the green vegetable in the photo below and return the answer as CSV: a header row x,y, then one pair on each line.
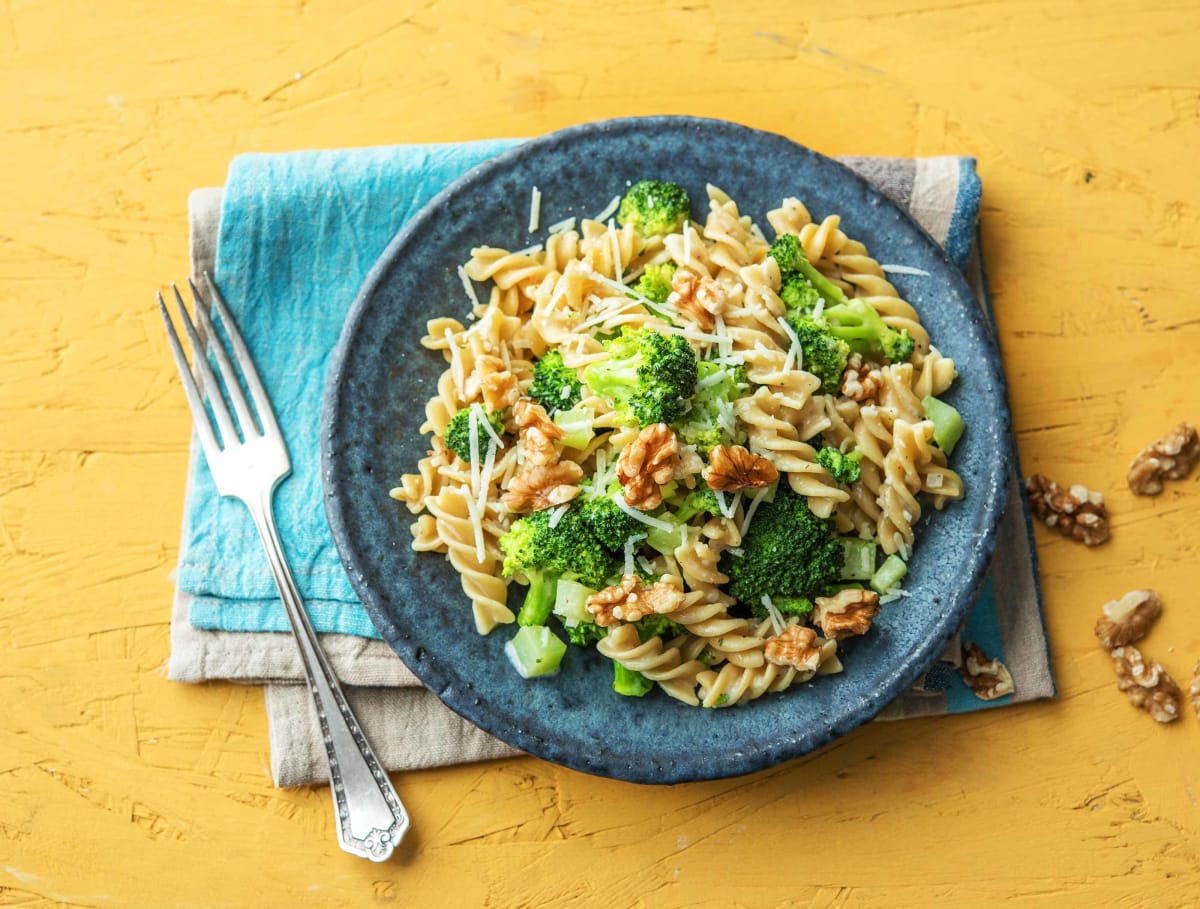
x,y
845,468
610,525
458,433
787,552
890,573
801,607
655,626
948,423
555,386
700,499
585,634
823,354
629,682
570,602
577,424
798,295
710,421
860,559
654,283
535,651
654,207
648,377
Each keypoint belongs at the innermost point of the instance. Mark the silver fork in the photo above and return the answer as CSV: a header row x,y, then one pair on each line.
x,y
371,821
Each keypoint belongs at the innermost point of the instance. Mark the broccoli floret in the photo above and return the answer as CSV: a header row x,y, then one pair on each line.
x,y
798,295
555,385
544,553
787,253
845,468
609,524
654,207
787,552
653,626
823,354
655,282
648,376
711,419
585,634
800,607
458,433
859,325
700,499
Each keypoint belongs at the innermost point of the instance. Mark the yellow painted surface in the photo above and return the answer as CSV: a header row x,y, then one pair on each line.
x,y
118,788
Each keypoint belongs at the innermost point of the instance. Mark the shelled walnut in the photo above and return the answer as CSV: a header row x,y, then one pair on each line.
x,y
648,463
538,431
732,467
1076,512
543,486
862,379
1128,619
847,613
701,297
795,646
1147,684
989,679
632,600
1170,458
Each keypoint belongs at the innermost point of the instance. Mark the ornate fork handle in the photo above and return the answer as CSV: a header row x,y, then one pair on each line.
x,y
370,818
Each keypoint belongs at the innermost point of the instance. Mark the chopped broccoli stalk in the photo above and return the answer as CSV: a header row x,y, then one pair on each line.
x,y
801,607
787,552
665,541
654,283
824,355
533,547
711,420
608,523
790,257
858,324
654,626
648,376
458,433
845,468
629,682
654,207
859,559
948,423
577,424
535,651
585,634
540,598
555,386
570,602
890,574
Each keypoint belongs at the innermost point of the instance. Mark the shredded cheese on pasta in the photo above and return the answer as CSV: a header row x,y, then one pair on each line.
x,y
535,209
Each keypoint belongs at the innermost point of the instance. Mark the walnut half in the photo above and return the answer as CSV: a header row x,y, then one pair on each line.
x,y
1170,458
543,486
631,600
1077,512
847,613
1128,619
647,463
732,467
538,431
1147,684
989,679
861,380
699,296
795,646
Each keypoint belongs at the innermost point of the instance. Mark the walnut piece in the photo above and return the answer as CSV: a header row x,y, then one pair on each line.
x,y
1194,689
542,486
732,467
989,679
1147,684
647,463
538,432
1170,458
1128,619
500,390
795,646
861,380
631,600
848,613
1077,512
701,297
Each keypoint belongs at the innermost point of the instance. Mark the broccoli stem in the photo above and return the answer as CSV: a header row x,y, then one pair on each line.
x,y
629,682
830,291
539,601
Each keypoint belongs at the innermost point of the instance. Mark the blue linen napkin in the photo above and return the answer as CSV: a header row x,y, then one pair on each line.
x,y
298,234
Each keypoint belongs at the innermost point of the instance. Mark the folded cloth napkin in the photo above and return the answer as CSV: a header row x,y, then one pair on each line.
x,y
290,239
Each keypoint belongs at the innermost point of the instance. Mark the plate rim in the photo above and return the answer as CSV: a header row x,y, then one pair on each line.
x,y
724,762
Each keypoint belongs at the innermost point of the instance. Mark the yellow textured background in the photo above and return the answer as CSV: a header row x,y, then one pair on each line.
x,y
118,788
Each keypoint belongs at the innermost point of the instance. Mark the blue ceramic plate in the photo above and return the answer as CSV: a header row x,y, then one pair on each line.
x,y
381,377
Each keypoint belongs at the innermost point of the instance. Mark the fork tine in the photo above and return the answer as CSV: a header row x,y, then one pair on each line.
x,y
262,403
200,361
195,400
232,386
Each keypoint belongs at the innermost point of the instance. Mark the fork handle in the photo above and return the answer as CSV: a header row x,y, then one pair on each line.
x,y
371,821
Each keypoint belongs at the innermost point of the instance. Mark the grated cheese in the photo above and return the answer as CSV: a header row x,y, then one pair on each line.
x,y
755,500
630,547
728,508
795,357
935,481
687,242
609,210
736,551
477,410
456,366
477,524
618,268
556,515
468,286
709,381
559,227
819,308
485,481
535,209
619,501
905,270
775,615
473,435
528,250
647,565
